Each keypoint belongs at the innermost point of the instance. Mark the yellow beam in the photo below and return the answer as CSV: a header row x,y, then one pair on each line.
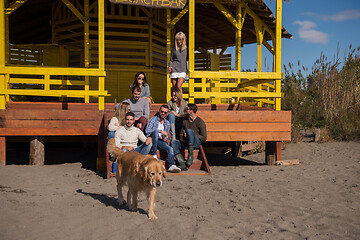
x,y
56,93
52,71
7,43
269,47
278,51
3,86
191,35
240,17
191,47
259,30
86,48
253,82
75,11
45,81
2,92
256,18
14,6
101,47
168,52
2,35
227,14
236,94
180,15
236,74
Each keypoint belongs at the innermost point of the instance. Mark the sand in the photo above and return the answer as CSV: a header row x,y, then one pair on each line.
x,y
242,199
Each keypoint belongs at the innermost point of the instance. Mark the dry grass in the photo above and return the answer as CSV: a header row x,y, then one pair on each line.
x,y
328,97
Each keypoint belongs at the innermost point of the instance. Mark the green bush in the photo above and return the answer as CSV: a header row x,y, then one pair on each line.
x,y
328,97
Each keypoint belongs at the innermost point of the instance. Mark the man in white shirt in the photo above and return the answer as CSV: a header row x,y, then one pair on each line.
x,y
127,137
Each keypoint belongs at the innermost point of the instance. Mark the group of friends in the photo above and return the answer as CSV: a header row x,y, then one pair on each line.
x,y
174,127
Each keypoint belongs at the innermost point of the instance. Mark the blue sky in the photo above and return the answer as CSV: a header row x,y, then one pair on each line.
x,y
317,26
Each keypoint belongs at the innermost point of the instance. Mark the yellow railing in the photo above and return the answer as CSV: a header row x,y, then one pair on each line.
x,y
210,82
43,81
50,82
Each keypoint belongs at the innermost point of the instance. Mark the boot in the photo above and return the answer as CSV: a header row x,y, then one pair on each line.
x,y
173,132
181,161
190,160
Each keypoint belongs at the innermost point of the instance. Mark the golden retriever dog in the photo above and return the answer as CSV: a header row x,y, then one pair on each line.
x,y
139,173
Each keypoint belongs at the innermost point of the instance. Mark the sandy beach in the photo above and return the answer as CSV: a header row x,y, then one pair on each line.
x,y
242,199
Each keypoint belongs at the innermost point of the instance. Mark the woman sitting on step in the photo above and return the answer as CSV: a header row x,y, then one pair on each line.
x,y
118,120
177,106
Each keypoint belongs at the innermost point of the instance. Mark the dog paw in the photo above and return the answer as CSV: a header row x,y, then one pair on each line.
x,y
152,217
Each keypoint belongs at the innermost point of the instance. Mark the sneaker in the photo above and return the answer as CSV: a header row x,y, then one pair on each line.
x,y
174,169
155,156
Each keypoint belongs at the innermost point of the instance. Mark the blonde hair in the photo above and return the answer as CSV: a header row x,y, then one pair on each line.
x,y
180,35
179,96
121,112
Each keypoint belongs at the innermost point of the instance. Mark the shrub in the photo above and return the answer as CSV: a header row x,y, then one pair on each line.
x,y
328,97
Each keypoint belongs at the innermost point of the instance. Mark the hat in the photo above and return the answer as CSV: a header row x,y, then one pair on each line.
x,y
116,106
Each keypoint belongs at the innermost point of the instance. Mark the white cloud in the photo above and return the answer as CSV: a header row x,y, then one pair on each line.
x,y
309,34
337,17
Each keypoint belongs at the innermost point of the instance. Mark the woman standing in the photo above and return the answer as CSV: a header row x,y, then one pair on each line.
x,y
178,61
140,80
177,106
118,120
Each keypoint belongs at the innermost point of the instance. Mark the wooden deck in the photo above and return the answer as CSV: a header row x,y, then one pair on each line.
x,y
225,123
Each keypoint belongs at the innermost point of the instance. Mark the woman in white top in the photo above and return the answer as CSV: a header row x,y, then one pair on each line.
x,y
118,120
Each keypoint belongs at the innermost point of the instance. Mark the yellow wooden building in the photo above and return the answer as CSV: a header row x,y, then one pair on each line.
x,y
89,51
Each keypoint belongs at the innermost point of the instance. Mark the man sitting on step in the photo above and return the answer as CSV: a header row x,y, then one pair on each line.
x,y
192,134
127,137
158,129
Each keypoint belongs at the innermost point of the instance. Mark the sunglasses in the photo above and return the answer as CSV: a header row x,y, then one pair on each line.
x,y
140,78
164,111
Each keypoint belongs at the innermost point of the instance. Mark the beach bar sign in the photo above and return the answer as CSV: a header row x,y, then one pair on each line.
x,y
154,3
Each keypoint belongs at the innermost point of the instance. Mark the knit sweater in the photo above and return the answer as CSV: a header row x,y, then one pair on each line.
x,y
139,108
198,126
128,136
178,59
114,124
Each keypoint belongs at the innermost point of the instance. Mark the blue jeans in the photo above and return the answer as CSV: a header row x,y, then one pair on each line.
x,y
111,135
142,149
191,139
171,117
161,144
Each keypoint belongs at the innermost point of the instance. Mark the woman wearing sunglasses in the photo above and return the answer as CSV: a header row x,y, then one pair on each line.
x,y
140,81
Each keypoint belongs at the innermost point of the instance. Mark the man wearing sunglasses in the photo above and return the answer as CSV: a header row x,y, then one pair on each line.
x,y
158,129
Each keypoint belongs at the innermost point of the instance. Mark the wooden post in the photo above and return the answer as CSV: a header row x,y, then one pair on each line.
x,y
236,149
278,151
2,151
37,152
270,149
101,140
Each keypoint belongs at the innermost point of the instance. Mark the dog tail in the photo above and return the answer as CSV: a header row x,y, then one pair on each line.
x,y
113,150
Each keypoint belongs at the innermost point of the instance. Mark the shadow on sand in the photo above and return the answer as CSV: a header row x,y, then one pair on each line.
x,y
109,201
228,160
